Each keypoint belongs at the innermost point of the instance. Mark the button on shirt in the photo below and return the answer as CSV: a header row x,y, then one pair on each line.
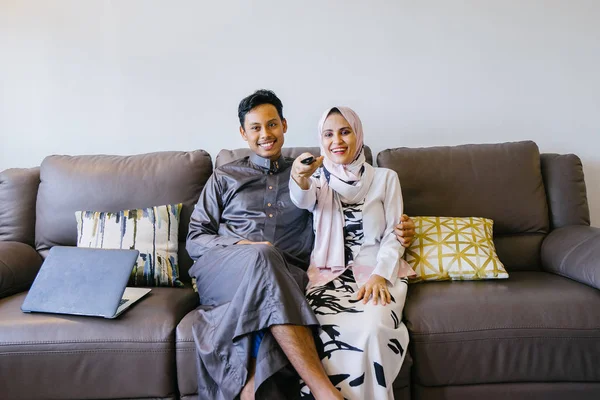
x,y
249,199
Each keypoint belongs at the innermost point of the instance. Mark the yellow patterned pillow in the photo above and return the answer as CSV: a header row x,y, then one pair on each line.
x,y
447,248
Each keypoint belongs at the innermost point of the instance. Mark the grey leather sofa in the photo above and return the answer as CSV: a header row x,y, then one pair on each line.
x,y
533,336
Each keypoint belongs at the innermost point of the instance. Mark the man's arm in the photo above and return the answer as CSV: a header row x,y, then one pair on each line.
x,y
203,233
405,231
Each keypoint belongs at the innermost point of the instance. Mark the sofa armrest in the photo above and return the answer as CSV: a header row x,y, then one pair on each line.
x,y
573,252
19,264
18,194
565,188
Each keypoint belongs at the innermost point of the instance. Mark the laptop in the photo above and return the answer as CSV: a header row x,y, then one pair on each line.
x,y
84,281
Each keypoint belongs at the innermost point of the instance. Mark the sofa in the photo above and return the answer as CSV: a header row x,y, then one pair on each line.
x,y
535,335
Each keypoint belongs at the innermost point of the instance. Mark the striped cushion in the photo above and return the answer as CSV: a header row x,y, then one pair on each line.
x,y
153,231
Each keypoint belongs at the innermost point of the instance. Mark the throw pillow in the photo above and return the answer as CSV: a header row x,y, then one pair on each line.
x,y
447,248
153,231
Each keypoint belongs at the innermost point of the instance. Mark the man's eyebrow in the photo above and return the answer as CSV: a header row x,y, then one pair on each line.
x,y
258,123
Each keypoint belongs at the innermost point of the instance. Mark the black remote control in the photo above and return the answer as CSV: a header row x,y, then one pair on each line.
x,y
308,160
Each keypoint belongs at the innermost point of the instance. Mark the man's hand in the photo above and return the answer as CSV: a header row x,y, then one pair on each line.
x,y
244,241
302,172
405,230
376,286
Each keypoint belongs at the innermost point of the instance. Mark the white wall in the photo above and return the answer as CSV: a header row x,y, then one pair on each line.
x,y
135,76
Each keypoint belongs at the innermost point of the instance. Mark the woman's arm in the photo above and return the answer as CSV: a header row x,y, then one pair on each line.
x,y
303,187
390,249
305,199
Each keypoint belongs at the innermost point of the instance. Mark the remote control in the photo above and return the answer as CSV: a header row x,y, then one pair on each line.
x,y
308,160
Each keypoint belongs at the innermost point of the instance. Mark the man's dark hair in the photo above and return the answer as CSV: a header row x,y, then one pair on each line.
x,y
256,99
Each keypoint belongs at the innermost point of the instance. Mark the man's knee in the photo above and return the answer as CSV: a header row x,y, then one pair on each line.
x,y
265,252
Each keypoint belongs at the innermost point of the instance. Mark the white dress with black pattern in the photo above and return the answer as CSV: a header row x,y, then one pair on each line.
x,y
363,344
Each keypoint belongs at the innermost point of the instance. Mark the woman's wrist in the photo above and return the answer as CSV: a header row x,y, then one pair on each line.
x,y
302,181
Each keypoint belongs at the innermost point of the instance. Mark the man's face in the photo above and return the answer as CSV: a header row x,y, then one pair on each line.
x,y
263,130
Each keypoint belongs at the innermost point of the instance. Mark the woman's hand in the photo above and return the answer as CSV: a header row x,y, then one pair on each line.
x,y
377,287
302,172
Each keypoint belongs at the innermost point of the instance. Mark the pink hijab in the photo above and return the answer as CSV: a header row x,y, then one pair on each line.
x,y
348,172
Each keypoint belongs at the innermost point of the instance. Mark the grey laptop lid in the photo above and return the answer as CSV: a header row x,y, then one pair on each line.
x,y
81,281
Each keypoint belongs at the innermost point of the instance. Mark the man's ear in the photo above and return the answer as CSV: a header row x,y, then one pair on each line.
x,y
243,133
284,123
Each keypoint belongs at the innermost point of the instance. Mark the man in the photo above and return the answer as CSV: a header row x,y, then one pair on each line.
x,y
252,247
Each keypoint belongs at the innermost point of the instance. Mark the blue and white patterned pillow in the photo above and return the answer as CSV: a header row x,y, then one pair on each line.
x,y
153,231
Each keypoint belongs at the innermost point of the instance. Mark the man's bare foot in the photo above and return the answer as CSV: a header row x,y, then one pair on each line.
x,y
247,392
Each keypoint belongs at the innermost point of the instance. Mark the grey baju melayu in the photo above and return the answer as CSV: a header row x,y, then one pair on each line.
x,y
247,288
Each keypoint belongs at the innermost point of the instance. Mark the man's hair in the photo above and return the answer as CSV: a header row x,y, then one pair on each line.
x,y
256,99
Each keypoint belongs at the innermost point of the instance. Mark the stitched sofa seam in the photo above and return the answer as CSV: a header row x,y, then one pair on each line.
x,y
124,351
505,338
500,383
83,341
504,328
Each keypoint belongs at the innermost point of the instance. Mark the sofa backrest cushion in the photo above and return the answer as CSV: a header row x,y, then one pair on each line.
x,y
114,183
565,187
227,156
18,193
502,182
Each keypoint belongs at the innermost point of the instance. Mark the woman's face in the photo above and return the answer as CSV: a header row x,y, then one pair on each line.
x,y
338,139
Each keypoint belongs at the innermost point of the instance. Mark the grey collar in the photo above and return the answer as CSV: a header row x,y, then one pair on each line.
x,y
265,163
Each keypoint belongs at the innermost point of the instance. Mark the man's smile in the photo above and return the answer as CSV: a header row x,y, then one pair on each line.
x,y
267,145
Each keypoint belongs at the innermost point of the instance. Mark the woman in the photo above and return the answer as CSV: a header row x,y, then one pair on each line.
x,y
357,283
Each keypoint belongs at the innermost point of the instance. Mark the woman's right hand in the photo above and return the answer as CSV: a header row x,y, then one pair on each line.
x,y
301,173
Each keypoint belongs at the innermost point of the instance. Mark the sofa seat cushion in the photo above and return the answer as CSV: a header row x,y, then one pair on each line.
x,y
131,356
532,327
187,375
